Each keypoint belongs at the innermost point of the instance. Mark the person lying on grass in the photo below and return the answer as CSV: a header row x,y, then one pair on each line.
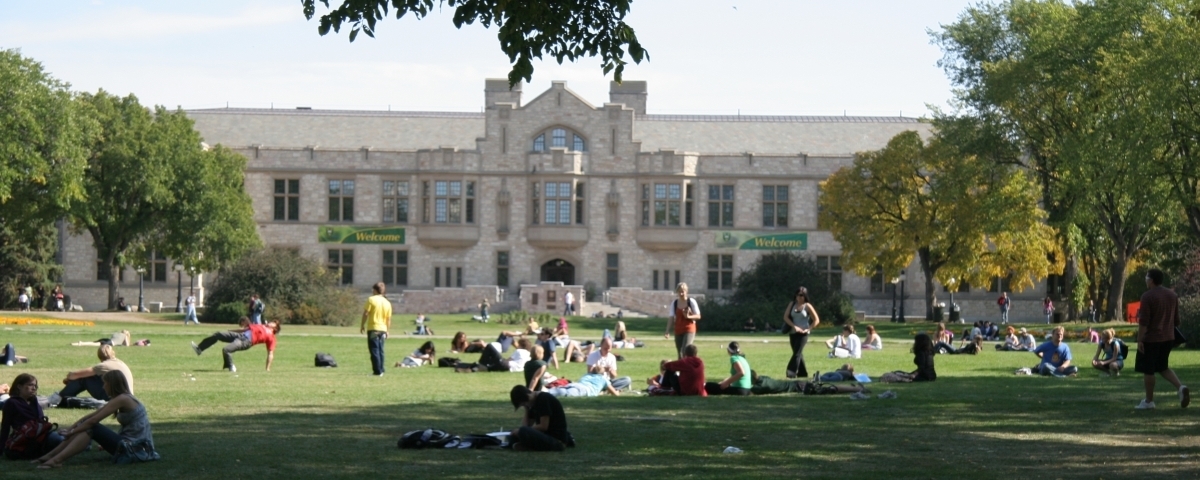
x,y
130,414
426,354
589,385
492,359
764,385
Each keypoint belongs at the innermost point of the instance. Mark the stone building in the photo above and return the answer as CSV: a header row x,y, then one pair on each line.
x,y
553,189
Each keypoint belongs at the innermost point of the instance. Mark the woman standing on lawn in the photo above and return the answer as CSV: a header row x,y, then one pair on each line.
x,y
130,413
20,409
799,319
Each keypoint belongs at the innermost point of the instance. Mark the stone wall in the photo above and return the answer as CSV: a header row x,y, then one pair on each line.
x,y
654,303
547,297
444,300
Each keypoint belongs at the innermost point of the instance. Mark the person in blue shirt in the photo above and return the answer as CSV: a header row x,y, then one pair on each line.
x,y
1056,356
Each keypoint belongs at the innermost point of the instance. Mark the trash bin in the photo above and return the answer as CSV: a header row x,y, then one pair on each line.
x,y
938,313
1060,317
955,315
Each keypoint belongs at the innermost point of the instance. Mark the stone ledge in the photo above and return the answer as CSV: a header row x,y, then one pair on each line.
x,y
448,236
667,239
557,237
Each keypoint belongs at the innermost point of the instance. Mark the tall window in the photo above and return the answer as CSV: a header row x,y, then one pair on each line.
x,y
395,201
1000,284
720,272
447,276
156,270
560,201
395,268
671,204
341,200
666,280
558,137
287,200
775,205
831,268
502,269
452,201
881,283
720,205
1056,285
612,271
341,263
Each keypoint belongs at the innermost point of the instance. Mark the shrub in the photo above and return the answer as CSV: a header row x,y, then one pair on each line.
x,y
295,289
763,291
1189,319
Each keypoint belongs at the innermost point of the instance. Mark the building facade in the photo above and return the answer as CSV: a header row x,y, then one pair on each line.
x,y
554,189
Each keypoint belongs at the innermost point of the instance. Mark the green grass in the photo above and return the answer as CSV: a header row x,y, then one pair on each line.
x,y
977,420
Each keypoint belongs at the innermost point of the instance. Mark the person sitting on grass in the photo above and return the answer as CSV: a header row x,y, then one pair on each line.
x,y
943,335
738,382
1110,349
846,345
426,354
973,347
874,341
1092,336
604,362
621,338
1028,343
130,413
545,339
764,385
535,369
1011,341
89,379
681,377
249,335
22,408
923,351
749,325
544,425
1055,356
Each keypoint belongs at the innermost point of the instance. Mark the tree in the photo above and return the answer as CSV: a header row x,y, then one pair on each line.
x,y
42,154
296,289
763,291
563,29
149,184
965,217
26,260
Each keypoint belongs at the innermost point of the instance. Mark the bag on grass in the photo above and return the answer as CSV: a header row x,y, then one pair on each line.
x,y
81,402
427,438
896,377
28,439
324,360
135,452
447,362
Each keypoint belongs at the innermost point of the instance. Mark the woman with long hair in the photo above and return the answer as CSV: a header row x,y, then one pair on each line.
x,y
20,409
130,413
799,319
427,353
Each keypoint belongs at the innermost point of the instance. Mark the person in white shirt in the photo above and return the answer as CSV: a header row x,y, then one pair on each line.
x,y
190,305
568,301
604,362
846,345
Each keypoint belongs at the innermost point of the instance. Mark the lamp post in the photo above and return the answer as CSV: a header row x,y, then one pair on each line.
x,y
950,284
902,278
178,289
141,288
894,281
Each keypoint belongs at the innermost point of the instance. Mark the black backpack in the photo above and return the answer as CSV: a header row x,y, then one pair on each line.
x,y
325,360
447,362
427,438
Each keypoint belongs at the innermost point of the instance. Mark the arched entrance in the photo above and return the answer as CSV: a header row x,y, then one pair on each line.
x,y
558,270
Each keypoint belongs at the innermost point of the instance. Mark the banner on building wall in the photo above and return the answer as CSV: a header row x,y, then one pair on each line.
x,y
351,234
743,240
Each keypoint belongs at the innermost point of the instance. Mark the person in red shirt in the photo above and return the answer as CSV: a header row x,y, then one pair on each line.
x,y
242,339
684,314
686,375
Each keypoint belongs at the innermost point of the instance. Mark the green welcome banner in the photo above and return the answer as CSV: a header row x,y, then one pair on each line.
x,y
743,240
351,234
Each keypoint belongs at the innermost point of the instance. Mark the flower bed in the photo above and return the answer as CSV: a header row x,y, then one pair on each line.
x,y
44,321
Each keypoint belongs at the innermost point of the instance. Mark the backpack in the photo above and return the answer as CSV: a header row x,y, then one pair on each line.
x,y
29,438
81,402
447,362
427,438
1124,352
324,360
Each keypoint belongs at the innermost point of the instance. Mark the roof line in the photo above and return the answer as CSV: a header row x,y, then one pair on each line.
x,y
775,119
335,113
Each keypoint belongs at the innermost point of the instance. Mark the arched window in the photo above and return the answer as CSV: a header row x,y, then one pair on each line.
x,y
558,138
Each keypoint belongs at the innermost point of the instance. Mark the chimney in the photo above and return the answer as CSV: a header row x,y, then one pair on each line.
x,y
630,93
496,90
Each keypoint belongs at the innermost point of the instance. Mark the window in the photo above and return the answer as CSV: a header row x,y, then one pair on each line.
x,y
666,280
452,201
670,202
287,200
447,277
720,272
341,200
775,205
1056,285
831,268
881,283
341,263
963,287
720,205
612,272
502,269
1000,284
558,138
395,268
102,271
156,267
395,202
556,201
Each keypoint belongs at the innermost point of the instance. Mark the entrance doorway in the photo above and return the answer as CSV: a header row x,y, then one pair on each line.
x,y
558,270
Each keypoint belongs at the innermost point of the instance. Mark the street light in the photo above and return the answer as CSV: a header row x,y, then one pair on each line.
x,y
894,281
179,288
141,288
902,278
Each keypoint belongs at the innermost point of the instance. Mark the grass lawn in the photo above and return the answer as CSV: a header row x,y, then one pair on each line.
x,y
977,420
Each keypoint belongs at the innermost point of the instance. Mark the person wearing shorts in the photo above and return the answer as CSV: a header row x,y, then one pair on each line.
x,y
1157,320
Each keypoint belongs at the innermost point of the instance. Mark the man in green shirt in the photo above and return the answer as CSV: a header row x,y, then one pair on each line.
x,y
376,319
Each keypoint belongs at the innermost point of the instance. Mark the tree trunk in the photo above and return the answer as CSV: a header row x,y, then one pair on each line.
x,y
928,270
1070,271
1116,289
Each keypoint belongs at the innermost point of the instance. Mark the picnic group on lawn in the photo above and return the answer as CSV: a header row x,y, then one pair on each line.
x,y
26,434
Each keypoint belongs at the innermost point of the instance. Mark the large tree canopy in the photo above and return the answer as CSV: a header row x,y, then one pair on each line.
x,y
562,29
967,218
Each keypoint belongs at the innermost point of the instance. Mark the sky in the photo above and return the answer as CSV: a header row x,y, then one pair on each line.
x,y
753,57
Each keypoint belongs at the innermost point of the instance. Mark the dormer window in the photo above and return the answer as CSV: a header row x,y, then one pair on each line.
x,y
559,138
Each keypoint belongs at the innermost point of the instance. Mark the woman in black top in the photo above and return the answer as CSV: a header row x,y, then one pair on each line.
x,y
923,358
